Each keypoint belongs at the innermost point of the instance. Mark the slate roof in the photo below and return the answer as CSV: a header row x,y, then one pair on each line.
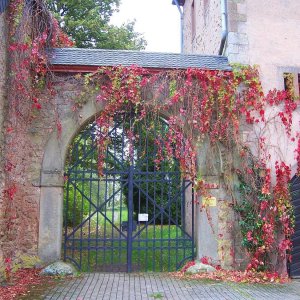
x,y
100,57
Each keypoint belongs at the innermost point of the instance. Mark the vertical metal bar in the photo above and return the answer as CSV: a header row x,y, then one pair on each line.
x,y
97,221
147,200
177,226
113,199
193,219
113,220
183,217
139,225
90,210
121,242
161,202
154,198
120,220
74,200
169,225
130,218
66,217
161,222
105,219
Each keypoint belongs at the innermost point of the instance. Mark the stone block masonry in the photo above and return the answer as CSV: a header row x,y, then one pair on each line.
x,y
206,16
3,96
237,44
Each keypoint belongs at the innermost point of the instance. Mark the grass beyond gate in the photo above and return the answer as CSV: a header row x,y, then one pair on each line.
x,y
104,247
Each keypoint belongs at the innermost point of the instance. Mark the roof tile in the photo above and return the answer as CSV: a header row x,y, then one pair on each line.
x,y
101,57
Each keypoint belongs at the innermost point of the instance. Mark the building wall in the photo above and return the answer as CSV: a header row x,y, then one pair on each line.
x,y
263,33
204,36
268,37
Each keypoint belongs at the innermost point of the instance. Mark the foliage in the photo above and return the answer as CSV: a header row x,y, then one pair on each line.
x,y
87,23
32,30
251,223
23,279
151,134
249,276
204,108
75,208
9,267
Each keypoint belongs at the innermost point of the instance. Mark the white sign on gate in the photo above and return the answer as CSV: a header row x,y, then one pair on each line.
x,y
143,217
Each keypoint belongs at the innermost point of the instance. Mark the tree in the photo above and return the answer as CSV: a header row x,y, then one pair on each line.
x,y
87,23
156,192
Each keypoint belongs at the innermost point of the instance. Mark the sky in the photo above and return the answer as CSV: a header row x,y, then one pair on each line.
x,y
158,20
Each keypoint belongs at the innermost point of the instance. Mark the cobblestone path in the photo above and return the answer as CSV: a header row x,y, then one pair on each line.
x,y
161,286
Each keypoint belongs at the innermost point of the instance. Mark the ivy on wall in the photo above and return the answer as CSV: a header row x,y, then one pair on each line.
x,y
203,107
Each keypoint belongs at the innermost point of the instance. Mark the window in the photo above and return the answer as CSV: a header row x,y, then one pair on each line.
x,y
292,83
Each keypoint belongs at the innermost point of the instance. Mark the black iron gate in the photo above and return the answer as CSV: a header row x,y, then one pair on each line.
x,y
294,266
135,216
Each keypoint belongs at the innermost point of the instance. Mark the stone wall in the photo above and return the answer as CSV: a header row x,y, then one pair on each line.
x,y
37,150
207,34
3,86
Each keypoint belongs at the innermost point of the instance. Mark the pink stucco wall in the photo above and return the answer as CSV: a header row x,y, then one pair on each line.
x,y
263,33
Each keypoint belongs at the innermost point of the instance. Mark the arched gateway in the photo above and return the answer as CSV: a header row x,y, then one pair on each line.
x,y
133,217
129,213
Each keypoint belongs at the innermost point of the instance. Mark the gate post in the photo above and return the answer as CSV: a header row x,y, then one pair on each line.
x,y
50,227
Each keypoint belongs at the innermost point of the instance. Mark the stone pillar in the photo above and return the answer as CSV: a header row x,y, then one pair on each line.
x,y
206,222
50,232
52,179
237,44
51,201
214,213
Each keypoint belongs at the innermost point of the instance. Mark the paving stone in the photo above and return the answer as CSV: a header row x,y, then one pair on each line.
x,y
120,286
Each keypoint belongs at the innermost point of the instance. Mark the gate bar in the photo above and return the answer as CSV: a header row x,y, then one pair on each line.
x,y
130,218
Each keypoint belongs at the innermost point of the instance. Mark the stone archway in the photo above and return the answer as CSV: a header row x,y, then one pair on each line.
x,y
52,182
52,189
